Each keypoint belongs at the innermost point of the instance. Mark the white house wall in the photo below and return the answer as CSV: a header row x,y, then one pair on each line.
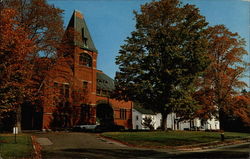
x,y
137,119
157,121
212,124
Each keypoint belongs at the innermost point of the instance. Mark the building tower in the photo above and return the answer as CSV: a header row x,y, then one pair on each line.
x,y
84,72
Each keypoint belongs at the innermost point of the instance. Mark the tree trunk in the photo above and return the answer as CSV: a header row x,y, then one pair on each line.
x,y
164,121
222,119
18,118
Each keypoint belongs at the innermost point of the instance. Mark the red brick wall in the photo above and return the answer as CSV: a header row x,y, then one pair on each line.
x,y
117,105
62,73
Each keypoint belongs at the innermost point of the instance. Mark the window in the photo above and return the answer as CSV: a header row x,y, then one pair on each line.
x,y
123,114
83,35
61,88
84,84
98,92
84,39
85,60
86,111
137,118
61,95
104,93
66,90
55,84
203,122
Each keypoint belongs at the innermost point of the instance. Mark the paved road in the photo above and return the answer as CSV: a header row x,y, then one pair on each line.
x,y
91,146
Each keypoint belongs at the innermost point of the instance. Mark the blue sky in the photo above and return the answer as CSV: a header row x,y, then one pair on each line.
x,y
111,21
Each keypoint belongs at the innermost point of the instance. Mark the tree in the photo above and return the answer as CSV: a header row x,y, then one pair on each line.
x,y
240,108
148,123
162,57
220,81
44,25
43,22
15,49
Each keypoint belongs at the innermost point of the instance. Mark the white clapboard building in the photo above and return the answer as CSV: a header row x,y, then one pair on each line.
x,y
173,123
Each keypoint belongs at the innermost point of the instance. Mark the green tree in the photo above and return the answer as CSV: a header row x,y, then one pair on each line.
x,y
162,57
148,123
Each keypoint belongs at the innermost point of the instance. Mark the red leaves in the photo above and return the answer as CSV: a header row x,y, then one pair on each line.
x,y
240,107
222,77
15,50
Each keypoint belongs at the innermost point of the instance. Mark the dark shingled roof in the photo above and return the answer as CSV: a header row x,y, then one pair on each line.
x,y
104,82
80,25
143,110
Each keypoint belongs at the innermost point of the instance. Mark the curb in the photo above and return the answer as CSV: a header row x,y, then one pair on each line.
x,y
197,147
36,149
212,145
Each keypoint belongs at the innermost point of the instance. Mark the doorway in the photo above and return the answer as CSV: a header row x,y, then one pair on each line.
x,y
104,114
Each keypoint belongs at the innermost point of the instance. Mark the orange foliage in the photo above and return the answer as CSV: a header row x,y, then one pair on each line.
x,y
15,51
240,107
223,75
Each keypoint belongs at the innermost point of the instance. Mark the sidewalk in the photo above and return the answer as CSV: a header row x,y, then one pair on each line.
x,y
44,141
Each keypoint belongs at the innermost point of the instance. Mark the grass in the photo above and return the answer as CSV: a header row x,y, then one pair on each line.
x,y
10,149
171,138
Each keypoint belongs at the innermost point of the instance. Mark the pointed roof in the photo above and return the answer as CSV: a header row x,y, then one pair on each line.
x,y
78,23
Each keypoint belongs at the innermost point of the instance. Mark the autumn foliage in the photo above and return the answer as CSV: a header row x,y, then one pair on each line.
x,y
240,108
30,36
163,64
15,50
217,88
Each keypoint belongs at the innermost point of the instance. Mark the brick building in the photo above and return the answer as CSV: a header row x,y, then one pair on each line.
x,y
78,93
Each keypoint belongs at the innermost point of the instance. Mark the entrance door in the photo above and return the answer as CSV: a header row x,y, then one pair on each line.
x,y
104,114
32,117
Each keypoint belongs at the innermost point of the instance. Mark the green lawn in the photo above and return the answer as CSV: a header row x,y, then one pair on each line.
x,y
171,138
10,149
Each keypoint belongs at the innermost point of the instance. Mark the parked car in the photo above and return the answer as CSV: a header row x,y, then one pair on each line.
x,y
109,127
82,128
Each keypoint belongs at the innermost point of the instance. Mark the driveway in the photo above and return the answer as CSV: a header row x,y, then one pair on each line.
x,y
91,146
88,146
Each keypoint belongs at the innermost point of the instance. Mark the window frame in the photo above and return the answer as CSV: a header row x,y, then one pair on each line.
x,y
85,84
123,114
85,60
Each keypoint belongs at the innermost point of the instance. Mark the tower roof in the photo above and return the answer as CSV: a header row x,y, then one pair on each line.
x,y
78,23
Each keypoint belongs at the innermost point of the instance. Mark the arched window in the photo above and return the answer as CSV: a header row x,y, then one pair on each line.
x,y
85,60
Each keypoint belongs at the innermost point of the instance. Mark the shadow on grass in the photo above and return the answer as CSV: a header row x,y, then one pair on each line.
x,y
215,154
132,153
104,153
